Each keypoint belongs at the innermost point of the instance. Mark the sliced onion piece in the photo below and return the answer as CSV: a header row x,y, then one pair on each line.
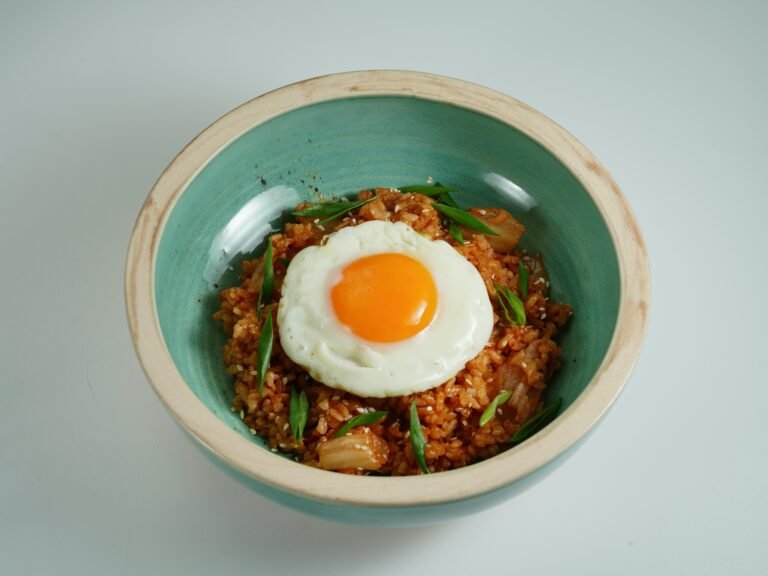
x,y
359,449
538,272
500,221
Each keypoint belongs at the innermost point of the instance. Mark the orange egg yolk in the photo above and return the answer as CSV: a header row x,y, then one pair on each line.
x,y
385,297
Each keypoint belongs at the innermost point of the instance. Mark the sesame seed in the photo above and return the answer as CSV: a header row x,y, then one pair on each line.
x,y
282,445
543,316
539,281
424,210
252,431
397,207
523,364
242,414
430,180
254,373
273,449
483,212
541,308
360,410
316,220
285,380
285,426
239,367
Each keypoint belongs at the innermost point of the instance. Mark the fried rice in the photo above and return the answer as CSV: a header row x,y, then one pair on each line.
x,y
520,359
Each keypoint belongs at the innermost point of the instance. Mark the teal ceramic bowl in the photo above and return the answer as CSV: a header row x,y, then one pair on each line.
x,y
232,184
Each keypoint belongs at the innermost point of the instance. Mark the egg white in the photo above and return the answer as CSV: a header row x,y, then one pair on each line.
x,y
312,336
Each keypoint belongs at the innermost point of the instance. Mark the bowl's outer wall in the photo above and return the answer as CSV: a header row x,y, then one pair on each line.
x,y
340,147
393,516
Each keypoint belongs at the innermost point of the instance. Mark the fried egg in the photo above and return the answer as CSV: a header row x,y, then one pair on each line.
x,y
380,310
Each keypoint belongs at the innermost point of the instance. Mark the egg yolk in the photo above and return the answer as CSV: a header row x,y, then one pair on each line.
x,y
385,297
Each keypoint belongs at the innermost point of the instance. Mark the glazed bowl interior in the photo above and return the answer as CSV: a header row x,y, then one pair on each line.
x,y
340,146
221,196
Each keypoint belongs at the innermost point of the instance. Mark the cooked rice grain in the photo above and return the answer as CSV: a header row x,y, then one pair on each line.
x,y
520,359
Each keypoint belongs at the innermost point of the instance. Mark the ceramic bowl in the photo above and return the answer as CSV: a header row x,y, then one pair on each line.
x,y
216,202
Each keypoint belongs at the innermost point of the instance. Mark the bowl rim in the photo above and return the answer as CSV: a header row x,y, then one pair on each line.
x,y
454,485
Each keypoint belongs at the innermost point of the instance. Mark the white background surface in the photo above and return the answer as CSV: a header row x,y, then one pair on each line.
x,y
96,99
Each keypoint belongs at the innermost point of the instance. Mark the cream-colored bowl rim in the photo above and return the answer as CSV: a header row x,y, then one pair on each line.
x,y
278,472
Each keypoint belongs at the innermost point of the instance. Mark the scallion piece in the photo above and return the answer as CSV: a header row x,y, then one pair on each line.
x,y
359,420
537,422
463,218
268,279
418,443
331,210
298,410
455,233
522,279
444,196
490,411
264,351
513,307
448,200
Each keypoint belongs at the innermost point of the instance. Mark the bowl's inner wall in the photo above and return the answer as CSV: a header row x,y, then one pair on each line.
x,y
346,145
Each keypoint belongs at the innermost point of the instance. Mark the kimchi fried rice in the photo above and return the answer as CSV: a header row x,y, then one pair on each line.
x,y
518,358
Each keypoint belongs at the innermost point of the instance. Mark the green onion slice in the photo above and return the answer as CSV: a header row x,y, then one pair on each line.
x,y
360,420
463,218
268,281
490,411
418,443
522,279
455,233
448,200
264,351
537,422
298,410
331,210
513,307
